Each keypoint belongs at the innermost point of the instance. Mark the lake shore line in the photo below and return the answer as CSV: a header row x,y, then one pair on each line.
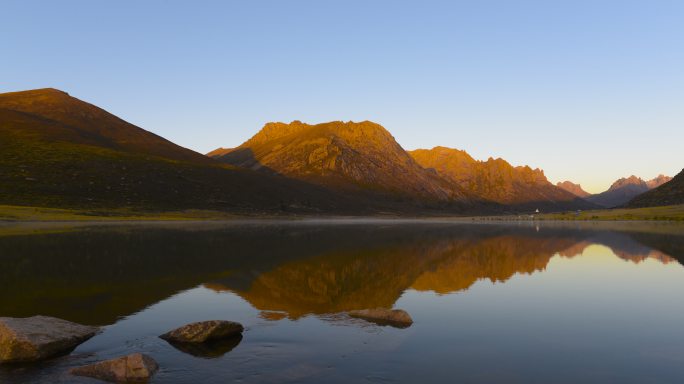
x,y
13,213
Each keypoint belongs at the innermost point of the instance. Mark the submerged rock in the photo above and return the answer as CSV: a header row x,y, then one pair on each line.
x,y
204,331
39,337
394,317
127,369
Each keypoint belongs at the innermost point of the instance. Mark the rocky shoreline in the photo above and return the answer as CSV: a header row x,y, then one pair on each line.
x,y
37,338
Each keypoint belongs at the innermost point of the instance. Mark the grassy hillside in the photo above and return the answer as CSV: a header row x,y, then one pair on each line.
x,y
669,193
52,115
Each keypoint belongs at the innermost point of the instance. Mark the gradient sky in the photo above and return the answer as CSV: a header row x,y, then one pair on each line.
x,y
589,91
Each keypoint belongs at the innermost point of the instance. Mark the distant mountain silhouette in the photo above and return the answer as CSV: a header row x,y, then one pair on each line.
x,y
669,193
359,158
624,190
497,181
573,188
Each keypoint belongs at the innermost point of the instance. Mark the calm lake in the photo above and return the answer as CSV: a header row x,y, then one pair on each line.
x,y
491,303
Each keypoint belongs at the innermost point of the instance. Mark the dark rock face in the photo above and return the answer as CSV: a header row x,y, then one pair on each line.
x,y
133,368
203,331
382,316
39,337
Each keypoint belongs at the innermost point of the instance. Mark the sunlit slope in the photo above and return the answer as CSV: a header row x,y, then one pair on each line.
x,y
497,181
355,157
573,188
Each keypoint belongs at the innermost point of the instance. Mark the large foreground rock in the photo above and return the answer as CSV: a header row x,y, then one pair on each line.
x,y
39,337
127,369
204,331
394,317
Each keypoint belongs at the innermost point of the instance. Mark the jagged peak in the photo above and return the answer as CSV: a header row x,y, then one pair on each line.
x,y
658,181
446,149
624,181
443,151
277,130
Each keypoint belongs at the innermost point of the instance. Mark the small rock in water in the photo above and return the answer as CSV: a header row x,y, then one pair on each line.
x,y
203,331
39,337
127,369
395,317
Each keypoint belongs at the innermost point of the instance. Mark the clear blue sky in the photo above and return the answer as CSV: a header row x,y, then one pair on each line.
x,y
587,90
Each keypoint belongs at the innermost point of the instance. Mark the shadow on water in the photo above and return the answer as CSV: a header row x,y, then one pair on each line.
x,y
100,274
208,350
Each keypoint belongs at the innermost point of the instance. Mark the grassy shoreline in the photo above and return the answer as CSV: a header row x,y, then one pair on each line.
x,y
13,213
665,213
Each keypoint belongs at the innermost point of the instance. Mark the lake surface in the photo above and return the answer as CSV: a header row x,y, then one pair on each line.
x,y
515,303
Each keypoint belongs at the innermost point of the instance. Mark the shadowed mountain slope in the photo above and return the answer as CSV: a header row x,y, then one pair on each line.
x,y
573,188
360,158
669,193
497,181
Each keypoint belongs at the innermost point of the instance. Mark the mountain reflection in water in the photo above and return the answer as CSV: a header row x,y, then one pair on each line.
x,y
98,275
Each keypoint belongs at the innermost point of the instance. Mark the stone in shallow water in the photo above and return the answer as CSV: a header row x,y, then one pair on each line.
x,y
394,317
39,337
203,331
133,368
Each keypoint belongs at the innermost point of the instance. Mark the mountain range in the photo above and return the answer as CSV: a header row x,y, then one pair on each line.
x,y
357,158
59,151
620,192
497,181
